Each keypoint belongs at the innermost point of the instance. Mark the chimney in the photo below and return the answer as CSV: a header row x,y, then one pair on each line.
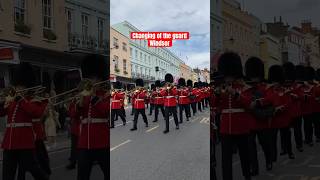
x,y
306,26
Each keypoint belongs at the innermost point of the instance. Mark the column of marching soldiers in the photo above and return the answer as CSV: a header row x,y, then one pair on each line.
x,y
25,111
247,108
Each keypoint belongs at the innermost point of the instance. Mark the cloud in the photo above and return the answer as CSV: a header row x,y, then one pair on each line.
x,y
200,60
168,15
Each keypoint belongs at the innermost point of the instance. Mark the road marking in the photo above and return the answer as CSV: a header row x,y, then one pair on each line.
x,y
122,124
151,129
117,146
205,120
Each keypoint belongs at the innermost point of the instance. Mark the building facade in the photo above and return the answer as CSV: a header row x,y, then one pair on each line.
x,y
120,65
240,30
216,23
185,71
270,50
205,73
149,63
87,25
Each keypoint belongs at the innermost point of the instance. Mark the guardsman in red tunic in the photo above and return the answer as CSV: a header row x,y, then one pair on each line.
x,y
75,130
139,104
153,89
256,90
316,92
183,100
170,102
158,100
192,96
117,104
94,107
19,138
234,116
196,91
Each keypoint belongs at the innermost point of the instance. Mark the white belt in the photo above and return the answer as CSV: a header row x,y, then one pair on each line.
x,y
158,97
93,120
139,99
13,125
115,100
36,120
169,97
182,96
232,111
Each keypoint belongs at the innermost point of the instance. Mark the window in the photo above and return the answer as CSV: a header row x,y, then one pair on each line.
x,y
85,25
115,42
100,31
69,14
130,52
47,14
116,62
19,11
145,58
124,65
149,60
141,56
136,55
124,46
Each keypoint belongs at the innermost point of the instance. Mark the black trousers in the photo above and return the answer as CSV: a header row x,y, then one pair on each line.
x,y
199,106
194,107
117,112
42,157
286,144
74,149
132,110
87,157
213,161
151,109
25,159
172,110
186,109
317,125
136,115
308,127
156,112
297,124
274,144
227,144
264,138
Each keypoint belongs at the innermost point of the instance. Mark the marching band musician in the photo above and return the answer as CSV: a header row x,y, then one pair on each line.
x,y
139,104
257,90
153,89
183,101
170,102
117,104
234,117
75,131
197,93
19,140
158,100
93,106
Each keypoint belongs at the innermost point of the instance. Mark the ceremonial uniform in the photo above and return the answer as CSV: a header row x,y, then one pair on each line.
x,y
139,104
117,104
183,100
153,89
158,101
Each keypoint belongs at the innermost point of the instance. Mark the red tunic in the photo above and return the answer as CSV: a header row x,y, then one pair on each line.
x,y
158,96
139,99
117,100
235,119
170,97
307,99
94,132
316,92
19,132
184,96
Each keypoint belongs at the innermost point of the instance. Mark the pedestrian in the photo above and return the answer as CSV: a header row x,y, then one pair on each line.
x,y
52,123
139,104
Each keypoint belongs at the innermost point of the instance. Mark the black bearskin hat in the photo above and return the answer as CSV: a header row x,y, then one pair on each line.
x,y
230,65
318,75
157,83
162,83
196,84
182,82
95,66
168,78
139,82
117,85
23,75
254,68
300,74
153,86
309,73
276,74
289,71
189,83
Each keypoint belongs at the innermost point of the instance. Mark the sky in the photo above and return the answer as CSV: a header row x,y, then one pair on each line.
x,y
167,15
292,11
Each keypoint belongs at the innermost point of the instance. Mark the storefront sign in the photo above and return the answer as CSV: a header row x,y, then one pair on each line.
x,y
6,54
